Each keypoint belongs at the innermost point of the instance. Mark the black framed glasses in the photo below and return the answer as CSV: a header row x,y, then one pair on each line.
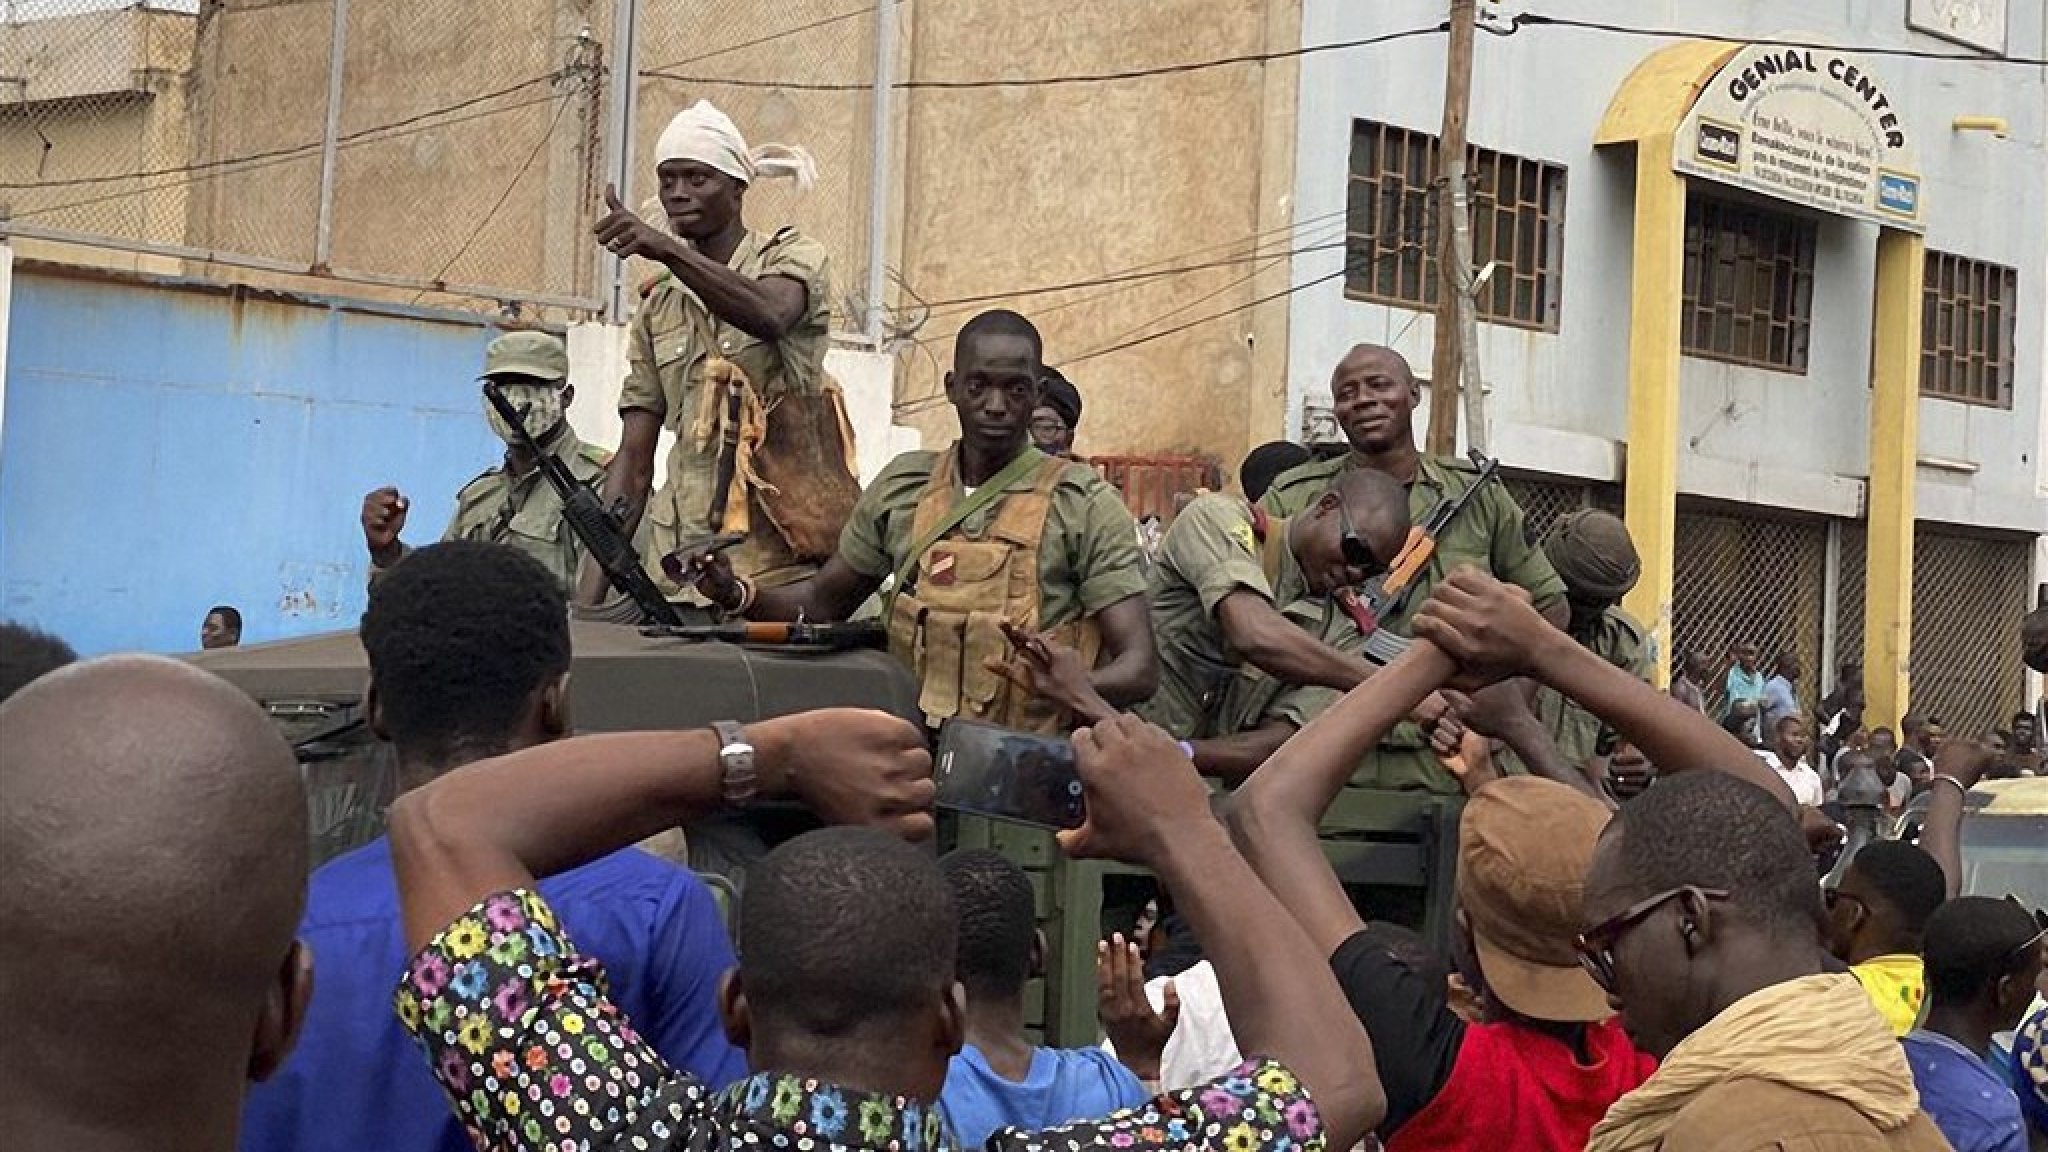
x,y
1596,944
1356,553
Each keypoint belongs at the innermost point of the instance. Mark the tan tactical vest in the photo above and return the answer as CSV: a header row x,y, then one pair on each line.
x,y
947,624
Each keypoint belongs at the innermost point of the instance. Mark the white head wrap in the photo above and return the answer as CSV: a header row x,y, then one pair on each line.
x,y
704,134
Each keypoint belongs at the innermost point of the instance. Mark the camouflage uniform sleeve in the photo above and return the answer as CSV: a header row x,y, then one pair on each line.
x,y
1103,551
865,541
642,387
790,253
1514,558
1213,547
1297,488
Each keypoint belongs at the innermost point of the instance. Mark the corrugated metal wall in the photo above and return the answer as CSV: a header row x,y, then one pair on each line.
x,y
170,445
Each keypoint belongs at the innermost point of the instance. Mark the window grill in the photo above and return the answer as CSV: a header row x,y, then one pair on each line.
x,y
1748,296
1517,209
1968,312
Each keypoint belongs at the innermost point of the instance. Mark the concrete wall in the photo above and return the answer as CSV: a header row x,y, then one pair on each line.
x,y
91,96
1016,188
1559,400
170,446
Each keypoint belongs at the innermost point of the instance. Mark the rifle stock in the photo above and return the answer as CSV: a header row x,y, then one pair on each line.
x,y
593,524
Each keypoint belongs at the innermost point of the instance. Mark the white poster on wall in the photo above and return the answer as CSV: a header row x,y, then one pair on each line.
x,y
1977,23
1807,125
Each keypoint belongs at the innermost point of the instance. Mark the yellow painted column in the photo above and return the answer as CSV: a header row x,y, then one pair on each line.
x,y
1894,448
1655,287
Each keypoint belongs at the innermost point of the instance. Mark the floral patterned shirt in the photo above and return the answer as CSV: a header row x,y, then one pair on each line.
x,y
522,1036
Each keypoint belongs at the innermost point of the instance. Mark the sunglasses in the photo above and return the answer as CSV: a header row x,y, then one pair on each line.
x,y
1355,551
1596,944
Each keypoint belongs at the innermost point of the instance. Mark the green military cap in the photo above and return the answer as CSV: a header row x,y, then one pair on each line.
x,y
534,354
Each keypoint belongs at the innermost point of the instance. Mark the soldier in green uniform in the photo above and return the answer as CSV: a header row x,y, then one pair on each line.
x,y
988,539
1597,561
1374,394
511,503
762,302
1227,568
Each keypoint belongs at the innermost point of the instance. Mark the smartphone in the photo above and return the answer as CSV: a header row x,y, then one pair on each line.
x,y
1008,775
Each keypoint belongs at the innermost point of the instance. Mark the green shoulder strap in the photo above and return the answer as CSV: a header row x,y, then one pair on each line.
x,y
982,497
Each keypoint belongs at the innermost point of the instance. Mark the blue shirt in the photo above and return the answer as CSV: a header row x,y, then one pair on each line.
x,y
1779,701
1968,1102
357,1081
1743,685
1063,1085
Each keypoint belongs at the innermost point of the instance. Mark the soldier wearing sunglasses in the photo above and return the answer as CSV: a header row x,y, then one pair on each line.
x,y
1226,572
1237,592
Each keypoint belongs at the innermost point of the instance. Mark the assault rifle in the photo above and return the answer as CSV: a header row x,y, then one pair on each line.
x,y
837,637
1387,593
601,529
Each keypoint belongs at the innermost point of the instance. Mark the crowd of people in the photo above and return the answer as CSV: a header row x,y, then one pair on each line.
x,y
1655,946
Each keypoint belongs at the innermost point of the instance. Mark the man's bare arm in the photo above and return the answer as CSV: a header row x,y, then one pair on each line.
x,y
1130,673
1274,815
1275,645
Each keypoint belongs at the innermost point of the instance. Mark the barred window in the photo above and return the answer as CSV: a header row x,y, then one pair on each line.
x,y
1748,284
1391,226
1967,312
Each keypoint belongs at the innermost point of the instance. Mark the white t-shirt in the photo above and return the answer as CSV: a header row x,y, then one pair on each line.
x,y
1801,778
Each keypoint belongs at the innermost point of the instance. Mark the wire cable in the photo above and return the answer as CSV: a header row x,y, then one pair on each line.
x,y
1539,20
441,277
931,400
185,180
1053,81
292,152
771,38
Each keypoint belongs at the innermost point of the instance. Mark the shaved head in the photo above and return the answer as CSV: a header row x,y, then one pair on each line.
x,y
153,845
1378,507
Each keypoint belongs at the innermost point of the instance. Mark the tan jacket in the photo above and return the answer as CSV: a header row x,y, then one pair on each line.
x,y
1740,1115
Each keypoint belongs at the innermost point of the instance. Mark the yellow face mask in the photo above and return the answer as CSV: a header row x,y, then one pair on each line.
x,y
541,404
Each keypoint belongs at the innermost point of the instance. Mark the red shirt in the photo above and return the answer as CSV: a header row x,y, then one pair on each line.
x,y
1487,1087
1514,1088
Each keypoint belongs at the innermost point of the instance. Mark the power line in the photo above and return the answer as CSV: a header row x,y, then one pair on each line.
x,y
1146,271
1271,257
1537,19
292,152
355,140
539,146
1051,81
909,407
785,34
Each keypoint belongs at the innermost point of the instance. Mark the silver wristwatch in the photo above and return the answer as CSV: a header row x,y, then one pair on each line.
x,y
740,782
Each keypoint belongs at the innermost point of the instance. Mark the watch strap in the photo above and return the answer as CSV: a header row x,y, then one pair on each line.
x,y
740,780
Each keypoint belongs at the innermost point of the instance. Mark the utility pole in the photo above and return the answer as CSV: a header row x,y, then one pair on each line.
x,y
1454,368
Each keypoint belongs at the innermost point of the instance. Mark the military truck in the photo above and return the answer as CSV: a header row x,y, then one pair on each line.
x,y
1399,845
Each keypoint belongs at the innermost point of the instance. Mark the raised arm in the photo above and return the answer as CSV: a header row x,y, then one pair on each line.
x,y
1502,712
502,823
765,308
1494,633
1957,768
1146,805
1274,815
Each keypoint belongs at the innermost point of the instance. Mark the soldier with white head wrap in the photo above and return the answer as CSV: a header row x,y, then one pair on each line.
x,y
722,296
